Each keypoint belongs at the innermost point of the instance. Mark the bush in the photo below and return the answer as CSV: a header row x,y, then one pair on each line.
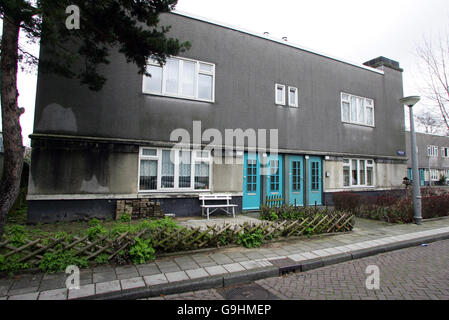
x,y
59,260
141,251
250,240
125,217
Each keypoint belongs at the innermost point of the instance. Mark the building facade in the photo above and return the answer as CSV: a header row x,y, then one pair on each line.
x,y
339,126
433,157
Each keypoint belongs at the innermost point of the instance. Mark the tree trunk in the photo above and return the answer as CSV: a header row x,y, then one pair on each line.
x,y
12,132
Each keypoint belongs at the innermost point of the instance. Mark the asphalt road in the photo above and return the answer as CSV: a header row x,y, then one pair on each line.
x,y
414,273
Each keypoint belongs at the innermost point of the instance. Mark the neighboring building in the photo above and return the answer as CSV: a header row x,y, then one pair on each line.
x,y
340,127
433,154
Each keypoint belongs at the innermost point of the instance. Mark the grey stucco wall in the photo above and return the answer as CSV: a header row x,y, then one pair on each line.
x,y
61,167
247,69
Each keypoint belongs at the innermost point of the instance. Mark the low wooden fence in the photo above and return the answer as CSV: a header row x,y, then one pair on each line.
x,y
172,240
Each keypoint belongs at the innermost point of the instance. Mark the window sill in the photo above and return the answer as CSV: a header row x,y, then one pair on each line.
x,y
178,97
358,124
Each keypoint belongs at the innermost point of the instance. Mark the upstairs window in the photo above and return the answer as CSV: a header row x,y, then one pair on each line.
x,y
444,152
182,78
432,151
357,110
280,94
292,97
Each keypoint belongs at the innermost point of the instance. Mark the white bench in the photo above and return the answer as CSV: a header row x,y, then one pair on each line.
x,y
207,203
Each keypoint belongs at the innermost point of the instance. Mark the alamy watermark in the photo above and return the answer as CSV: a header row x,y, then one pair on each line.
x,y
73,279
234,143
372,282
73,20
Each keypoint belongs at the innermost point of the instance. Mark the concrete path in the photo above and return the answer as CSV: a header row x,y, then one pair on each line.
x,y
222,267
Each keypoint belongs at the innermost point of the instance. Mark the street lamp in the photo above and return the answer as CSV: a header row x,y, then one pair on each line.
x,y
410,102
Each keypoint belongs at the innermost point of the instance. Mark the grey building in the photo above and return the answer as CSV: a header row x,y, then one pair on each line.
x,y
433,157
339,127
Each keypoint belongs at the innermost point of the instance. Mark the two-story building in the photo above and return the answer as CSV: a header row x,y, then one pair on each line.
x,y
339,126
433,157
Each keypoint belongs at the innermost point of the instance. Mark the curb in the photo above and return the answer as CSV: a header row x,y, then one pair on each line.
x,y
246,276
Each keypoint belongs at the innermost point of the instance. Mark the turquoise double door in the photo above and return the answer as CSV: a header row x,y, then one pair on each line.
x,y
275,176
421,176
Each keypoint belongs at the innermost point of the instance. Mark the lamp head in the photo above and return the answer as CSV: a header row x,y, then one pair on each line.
x,y
410,101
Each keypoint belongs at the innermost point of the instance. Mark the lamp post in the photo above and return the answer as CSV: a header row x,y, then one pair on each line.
x,y
410,102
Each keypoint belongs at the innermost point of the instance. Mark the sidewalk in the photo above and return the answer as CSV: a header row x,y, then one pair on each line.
x,y
222,267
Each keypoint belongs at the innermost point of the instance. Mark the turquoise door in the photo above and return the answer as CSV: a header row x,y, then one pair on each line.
x,y
315,181
275,175
421,177
251,182
296,176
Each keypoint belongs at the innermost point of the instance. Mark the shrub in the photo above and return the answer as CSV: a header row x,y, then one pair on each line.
x,y
141,251
59,260
12,264
125,217
250,240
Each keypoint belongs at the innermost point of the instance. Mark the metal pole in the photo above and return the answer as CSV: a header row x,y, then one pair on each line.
x,y
416,188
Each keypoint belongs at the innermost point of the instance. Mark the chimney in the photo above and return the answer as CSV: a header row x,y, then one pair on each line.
x,y
383,62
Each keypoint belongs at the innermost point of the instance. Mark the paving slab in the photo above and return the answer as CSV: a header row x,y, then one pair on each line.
x,y
83,291
57,294
109,286
26,296
155,279
215,270
148,270
132,283
197,273
176,276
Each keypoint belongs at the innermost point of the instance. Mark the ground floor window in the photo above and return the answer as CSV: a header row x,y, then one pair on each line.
x,y
358,172
173,169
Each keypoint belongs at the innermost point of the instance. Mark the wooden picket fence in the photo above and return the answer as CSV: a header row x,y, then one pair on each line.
x,y
173,240
274,201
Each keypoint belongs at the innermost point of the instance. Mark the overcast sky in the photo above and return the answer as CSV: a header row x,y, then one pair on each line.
x,y
349,29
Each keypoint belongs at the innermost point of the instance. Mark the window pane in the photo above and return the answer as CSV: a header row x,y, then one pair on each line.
x,y
354,173
280,94
172,76
369,116
188,78
346,176
346,111
274,171
205,86
369,176
361,110
149,152
168,170
148,174
153,84
206,67
292,97
201,175
184,169
353,109
362,172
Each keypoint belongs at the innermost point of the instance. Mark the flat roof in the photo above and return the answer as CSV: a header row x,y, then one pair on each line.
x,y
273,39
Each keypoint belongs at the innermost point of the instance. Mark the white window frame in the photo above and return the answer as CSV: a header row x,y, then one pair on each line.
x,y
294,103
367,165
176,188
281,102
444,152
198,71
368,103
432,151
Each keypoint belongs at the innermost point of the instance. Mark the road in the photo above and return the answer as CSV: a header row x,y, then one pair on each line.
x,y
414,273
